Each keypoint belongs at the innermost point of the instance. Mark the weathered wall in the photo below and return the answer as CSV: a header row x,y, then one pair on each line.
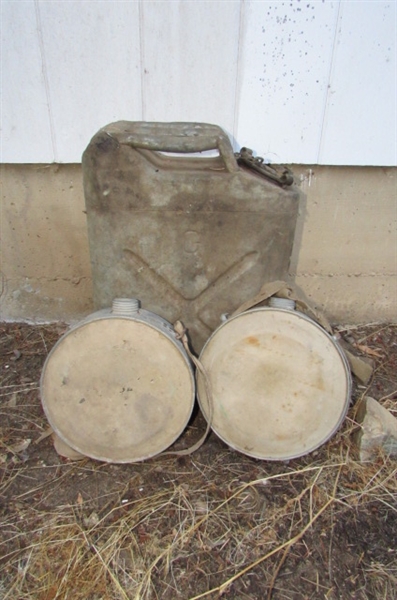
x,y
347,258
345,255
44,249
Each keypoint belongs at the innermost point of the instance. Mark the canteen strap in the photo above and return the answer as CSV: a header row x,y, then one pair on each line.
x,y
182,336
281,289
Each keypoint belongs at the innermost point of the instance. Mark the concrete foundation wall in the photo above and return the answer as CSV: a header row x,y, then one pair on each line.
x,y
344,259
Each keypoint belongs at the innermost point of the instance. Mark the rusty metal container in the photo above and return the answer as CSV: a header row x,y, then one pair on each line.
x,y
192,236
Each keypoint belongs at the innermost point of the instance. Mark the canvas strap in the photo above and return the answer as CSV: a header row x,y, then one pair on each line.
x,y
281,289
182,335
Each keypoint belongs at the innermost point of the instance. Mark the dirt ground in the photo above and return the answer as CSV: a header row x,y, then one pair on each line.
x,y
213,524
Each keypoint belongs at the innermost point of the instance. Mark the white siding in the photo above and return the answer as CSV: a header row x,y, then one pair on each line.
x,y
298,81
25,122
92,61
285,69
360,119
201,86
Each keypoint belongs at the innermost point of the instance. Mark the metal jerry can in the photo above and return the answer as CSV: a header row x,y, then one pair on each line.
x,y
191,236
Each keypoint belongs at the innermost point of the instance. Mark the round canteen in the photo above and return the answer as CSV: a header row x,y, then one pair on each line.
x,y
119,386
280,383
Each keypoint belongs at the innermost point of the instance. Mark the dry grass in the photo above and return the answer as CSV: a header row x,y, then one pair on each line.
x,y
145,548
216,524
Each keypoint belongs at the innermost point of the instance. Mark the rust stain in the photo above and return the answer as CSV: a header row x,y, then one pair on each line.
x,y
252,340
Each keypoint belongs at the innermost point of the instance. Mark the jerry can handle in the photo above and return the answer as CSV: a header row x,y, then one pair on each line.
x,y
175,137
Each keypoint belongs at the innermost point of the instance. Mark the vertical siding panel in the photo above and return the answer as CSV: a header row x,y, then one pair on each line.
x,y
26,133
190,68
93,63
142,60
238,83
45,79
284,77
360,122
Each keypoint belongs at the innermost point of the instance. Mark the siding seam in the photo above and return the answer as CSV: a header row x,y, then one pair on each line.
x,y
45,79
142,59
238,73
328,89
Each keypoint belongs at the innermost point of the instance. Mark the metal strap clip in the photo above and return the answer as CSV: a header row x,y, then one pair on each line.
x,y
281,175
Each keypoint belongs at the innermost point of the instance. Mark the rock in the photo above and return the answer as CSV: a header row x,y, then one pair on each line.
x,y
378,430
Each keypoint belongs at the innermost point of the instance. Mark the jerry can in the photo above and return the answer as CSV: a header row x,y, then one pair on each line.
x,y
191,236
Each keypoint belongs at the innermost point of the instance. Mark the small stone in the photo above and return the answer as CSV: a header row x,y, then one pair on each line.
x,y
13,400
20,446
91,520
378,430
